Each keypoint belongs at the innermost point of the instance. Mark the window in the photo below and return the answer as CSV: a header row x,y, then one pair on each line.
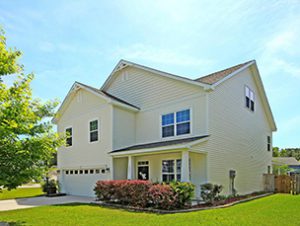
x,y
69,137
178,169
249,98
93,130
171,170
71,171
76,171
269,169
97,171
67,171
183,122
168,171
80,171
269,143
168,125
178,125
103,171
86,171
91,171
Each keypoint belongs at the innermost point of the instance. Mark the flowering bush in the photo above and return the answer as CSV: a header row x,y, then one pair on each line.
x,y
132,192
162,196
140,193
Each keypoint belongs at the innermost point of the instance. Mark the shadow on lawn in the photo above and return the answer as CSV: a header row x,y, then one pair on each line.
x,y
76,204
12,223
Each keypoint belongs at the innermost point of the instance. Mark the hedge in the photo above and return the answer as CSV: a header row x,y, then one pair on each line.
x,y
140,193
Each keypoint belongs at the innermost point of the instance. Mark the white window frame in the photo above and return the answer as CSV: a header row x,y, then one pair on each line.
x,y
137,166
175,124
251,95
175,168
269,143
69,127
89,131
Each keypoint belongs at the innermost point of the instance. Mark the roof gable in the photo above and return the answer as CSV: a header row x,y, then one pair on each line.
x,y
105,96
124,63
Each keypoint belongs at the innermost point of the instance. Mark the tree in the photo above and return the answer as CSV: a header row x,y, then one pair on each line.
x,y
27,141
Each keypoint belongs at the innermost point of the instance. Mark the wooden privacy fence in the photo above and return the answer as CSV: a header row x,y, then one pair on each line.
x,y
282,183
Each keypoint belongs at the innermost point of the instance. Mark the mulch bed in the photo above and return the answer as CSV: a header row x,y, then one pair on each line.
x,y
220,204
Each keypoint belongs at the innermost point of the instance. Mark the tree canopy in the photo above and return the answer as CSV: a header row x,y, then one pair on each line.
x,y
287,152
27,141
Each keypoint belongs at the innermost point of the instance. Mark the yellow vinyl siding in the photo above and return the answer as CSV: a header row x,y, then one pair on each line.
x,y
238,137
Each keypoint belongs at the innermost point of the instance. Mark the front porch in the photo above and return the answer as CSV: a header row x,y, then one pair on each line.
x,y
162,166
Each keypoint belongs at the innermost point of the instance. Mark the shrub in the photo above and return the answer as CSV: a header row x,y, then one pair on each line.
x,y
184,192
140,193
162,196
50,187
210,192
132,192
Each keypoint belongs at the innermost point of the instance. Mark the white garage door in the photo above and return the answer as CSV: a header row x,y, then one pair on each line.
x,y
82,182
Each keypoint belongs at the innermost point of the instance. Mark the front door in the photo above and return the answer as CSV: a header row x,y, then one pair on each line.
x,y
143,170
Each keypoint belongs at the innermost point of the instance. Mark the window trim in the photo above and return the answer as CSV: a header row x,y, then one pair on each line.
x,y
175,124
89,132
137,166
269,144
65,131
175,168
245,96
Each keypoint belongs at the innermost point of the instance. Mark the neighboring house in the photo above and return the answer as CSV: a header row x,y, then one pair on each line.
x,y
147,124
291,162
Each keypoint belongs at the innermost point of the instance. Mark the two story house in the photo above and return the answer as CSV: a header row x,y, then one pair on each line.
x,y
151,125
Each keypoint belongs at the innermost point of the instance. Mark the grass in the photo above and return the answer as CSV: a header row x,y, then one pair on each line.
x,y
272,210
20,193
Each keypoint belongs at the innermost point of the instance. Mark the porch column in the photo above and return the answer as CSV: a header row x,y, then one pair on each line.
x,y
130,168
185,170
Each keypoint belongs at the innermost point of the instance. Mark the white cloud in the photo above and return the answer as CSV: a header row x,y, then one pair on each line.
x,y
159,55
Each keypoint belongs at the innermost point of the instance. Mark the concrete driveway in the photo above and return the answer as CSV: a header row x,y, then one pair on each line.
x,y
13,204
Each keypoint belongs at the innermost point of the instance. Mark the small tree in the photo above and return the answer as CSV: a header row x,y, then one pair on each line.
x,y
210,192
27,142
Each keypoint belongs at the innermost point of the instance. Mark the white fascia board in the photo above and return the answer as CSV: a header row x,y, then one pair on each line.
x,y
148,150
193,143
157,149
121,105
265,98
72,89
165,74
232,74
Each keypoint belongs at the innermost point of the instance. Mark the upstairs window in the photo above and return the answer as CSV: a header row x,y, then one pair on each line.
x,y
168,125
93,130
183,122
69,137
177,123
269,143
249,98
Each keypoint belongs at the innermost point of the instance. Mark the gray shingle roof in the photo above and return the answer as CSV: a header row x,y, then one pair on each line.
x,y
159,144
290,161
217,76
108,95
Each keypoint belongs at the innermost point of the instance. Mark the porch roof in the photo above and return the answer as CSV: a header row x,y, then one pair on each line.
x,y
159,144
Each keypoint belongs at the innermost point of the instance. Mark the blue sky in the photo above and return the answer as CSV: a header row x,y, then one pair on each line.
x,y
67,41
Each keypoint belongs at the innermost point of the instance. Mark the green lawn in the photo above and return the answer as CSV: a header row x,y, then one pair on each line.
x,y
20,193
272,210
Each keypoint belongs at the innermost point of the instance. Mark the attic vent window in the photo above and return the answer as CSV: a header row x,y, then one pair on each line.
x,y
249,98
124,76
